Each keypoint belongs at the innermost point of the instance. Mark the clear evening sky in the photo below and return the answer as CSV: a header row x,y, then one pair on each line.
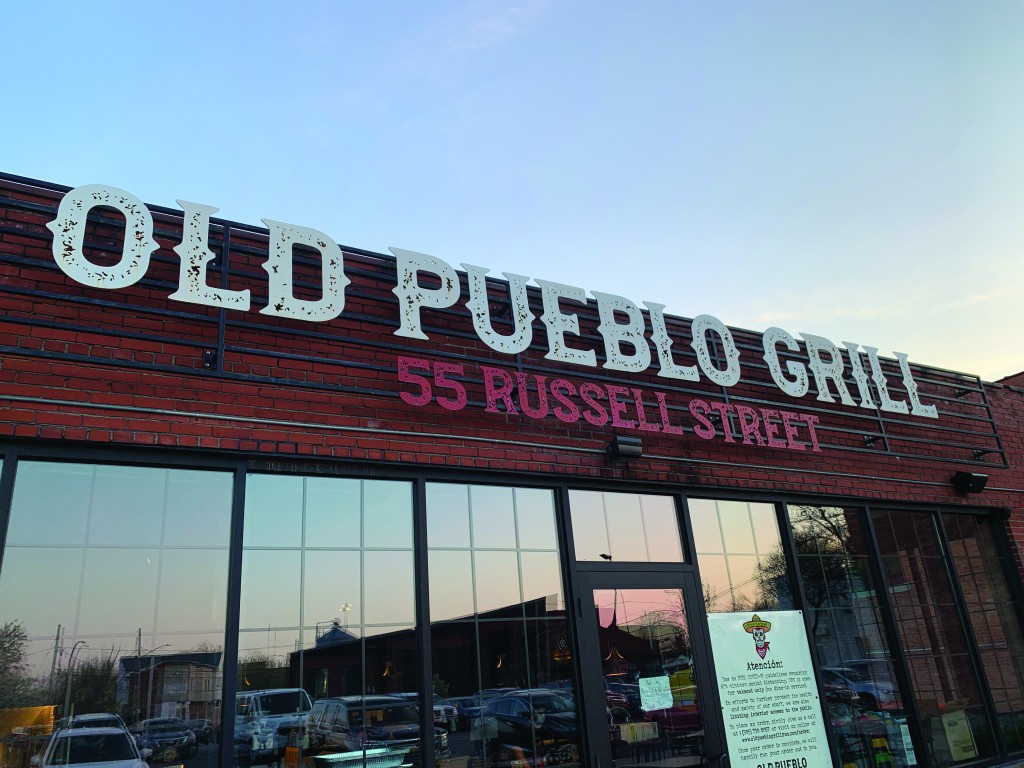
x,y
854,170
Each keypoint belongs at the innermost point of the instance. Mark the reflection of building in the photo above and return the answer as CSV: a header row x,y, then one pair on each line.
x,y
334,665
182,685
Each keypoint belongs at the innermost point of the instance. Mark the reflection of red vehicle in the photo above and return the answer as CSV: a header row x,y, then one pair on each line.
x,y
678,723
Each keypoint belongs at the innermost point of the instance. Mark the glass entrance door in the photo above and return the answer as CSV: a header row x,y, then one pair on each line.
x,y
646,678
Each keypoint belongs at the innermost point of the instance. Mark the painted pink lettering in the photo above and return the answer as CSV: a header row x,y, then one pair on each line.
x,y
441,380
524,396
704,429
788,417
617,407
408,377
597,416
810,421
724,409
638,398
670,429
750,424
771,428
570,414
493,394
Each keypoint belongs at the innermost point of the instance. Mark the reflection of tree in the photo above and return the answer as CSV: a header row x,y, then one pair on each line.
x,y
258,670
93,684
16,687
821,539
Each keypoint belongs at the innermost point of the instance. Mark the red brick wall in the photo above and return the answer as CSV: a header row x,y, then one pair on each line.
x,y
126,367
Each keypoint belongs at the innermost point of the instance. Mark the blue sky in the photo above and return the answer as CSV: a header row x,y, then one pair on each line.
x,y
854,170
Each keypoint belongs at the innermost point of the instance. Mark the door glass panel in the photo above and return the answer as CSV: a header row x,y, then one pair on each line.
x,y
654,715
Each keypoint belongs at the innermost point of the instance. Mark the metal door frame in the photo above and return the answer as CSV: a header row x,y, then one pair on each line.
x,y
592,694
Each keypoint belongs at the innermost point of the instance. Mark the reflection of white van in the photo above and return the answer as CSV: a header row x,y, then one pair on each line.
x,y
267,721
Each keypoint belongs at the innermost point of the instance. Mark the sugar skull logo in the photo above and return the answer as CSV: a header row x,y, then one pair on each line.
x,y
758,628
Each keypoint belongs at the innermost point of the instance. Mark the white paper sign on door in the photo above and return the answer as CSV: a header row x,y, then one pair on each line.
x,y
655,693
769,696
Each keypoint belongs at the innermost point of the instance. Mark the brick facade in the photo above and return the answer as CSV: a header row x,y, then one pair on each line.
x,y
131,367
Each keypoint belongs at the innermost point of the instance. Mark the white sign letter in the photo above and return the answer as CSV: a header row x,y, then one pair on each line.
x,y
659,335
194,252
916,409
824,371
770,341
559,324
411,295
479,307
616,334
279,267
69,233
698,331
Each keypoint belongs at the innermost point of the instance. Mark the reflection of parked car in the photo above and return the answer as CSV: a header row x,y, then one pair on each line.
x,y
351,723
168,738
469,707
446,714
99,747
874,694
203,729
527,726
92,720
268,721
679,724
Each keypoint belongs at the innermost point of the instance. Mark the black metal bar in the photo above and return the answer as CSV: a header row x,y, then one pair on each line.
x,y
7,471
425,682
964,619
231,625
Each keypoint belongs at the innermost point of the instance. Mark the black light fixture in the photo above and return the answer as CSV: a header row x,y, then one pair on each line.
x,y
624,448
969,482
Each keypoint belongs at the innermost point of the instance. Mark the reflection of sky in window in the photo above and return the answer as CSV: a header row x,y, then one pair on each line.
x,y
125,580
636,606
447,515
541,576
627,526
30,572
388,587
270,589
387,514
273,511
661,527
494,524
451,585
535,513
332,512
497,581
51,504
332,581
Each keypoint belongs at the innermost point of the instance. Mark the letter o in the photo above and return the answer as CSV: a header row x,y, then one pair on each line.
x,y
723,377
69,234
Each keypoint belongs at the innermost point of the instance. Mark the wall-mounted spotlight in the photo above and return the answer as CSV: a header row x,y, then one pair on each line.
x,y
969,482
624,448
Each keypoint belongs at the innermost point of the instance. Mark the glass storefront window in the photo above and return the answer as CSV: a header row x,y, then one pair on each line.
x,y
112,607
327,659
739,553
981,571
946,686
504,692
625,527
863,699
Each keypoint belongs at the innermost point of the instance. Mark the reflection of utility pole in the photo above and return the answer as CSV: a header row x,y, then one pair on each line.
x,y
53,664
70,673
